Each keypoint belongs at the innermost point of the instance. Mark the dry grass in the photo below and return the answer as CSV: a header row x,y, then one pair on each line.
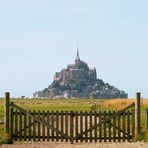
x,y
115,104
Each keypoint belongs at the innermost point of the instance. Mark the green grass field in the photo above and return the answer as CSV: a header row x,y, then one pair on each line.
x,y
71,104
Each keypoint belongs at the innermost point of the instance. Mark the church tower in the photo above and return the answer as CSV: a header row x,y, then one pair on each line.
x,y
77,61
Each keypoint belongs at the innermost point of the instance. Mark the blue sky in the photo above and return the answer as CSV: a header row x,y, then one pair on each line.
x,y
40,37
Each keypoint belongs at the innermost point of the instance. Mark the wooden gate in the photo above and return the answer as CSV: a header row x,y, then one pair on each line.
x,y
71,126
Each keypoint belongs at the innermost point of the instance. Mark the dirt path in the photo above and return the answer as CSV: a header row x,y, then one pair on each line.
x,y
79,145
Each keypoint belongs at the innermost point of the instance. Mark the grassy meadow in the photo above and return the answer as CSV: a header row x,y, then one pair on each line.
x,y
71,104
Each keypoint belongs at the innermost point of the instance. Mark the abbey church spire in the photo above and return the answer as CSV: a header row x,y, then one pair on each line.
x,y
78,57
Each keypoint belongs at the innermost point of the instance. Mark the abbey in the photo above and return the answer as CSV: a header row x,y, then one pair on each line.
x,y
77,71
79,81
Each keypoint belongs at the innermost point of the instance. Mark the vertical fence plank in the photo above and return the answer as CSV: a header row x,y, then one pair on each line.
x,y
52,122
25,127
11,124
95,130
34,127
16,124
39,126
29,124
100,127
76,125
114,126
62,125
57,125
119,128
123,126
128,125
86,127
133,122
81,124
20,125
109,126
71,126
105,133
66,124
48,122
90,120
43,126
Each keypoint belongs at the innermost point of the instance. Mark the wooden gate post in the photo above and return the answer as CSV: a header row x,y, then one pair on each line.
x,y
137,114
6,113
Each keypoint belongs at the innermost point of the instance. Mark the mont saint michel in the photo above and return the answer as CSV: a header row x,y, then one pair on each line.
x,y
79,81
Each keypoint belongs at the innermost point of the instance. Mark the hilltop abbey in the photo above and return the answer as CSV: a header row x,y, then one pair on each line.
x,y
79,81
77,71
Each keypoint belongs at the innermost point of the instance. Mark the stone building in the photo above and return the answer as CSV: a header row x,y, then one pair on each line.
x,y
77,71
78,80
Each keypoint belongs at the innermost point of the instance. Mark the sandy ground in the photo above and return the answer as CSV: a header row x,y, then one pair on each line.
x,y
79,145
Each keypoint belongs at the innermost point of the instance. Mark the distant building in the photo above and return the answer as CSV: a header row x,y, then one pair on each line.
x,y
78,80
77,71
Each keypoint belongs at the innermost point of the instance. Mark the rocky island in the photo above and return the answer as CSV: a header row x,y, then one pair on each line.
x,y
79,81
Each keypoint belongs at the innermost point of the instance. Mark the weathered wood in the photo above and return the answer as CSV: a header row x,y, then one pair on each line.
x,y
64,113
114,126
123,126
86,127
66,124
41,121
43,125
90,120
39,127
128,125
48,122
11,125
82,138
137,114
76,124
34,127
57,125
29,124
119,128
100,127
95,130
71,127
105,132
98,124
20,126
133,122
16,124
109,127
81,124
25,127
62,127
6,113
52,123
126,108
